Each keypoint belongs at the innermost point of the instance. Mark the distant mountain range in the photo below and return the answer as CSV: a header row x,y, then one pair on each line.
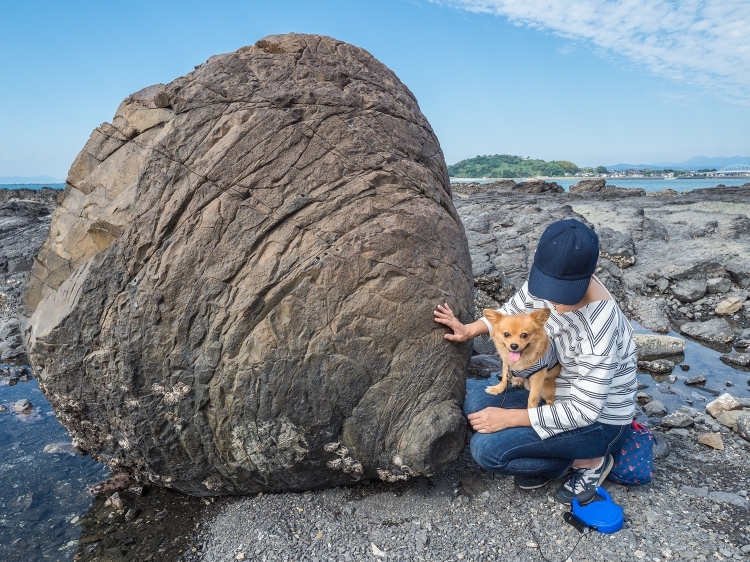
x,y
695,163
6,180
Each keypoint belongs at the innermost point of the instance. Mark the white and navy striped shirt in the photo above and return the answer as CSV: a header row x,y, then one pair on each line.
x,y
595,348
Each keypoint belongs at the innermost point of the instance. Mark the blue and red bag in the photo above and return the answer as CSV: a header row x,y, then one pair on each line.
x,y
634,460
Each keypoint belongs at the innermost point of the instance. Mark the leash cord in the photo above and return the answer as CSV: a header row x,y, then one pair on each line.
x,y
539,546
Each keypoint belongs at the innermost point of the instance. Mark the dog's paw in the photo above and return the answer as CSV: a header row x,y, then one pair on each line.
x,y
517,382
497,389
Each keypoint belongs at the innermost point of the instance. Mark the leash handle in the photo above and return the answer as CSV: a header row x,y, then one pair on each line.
x,y
571,519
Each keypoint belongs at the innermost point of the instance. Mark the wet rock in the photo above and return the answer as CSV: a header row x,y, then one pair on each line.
x,y
717,285
743,426
739,273
730,418
116,483
677,419
723,403
729,306
655,408
538,186
115,501
23,406
713,440
659,367
60,448
648,345
272,247
588,185
716,330
643,398
679,432
689,290
697,379
736,359
661,446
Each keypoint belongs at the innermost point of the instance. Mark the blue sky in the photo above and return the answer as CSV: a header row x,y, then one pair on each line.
x,y
597,82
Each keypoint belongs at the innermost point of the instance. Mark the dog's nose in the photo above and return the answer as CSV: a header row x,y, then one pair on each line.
x,y
514,346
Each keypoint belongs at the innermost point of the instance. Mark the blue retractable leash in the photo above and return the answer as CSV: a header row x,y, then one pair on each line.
x,y
602,515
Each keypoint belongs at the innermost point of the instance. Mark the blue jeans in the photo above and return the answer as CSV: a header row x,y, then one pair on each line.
x,y
519,451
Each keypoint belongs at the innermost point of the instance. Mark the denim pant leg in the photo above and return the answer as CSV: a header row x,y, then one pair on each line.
x,y
477,399
520,450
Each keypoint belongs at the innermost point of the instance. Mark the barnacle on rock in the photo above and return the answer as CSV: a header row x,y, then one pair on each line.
x,y
331,447
335,464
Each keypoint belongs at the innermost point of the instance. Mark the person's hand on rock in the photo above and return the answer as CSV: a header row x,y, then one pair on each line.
x,y
444,315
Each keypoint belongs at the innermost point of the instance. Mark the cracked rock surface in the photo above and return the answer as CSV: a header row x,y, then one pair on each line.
x,y
236,292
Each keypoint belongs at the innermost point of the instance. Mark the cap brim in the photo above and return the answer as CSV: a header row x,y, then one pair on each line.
x,y
558,291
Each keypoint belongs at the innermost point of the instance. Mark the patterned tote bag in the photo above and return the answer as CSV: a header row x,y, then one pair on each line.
x,y
634,460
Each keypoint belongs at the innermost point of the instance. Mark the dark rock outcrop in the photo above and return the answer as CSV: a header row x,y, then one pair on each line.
x,y
25,216
238,293
647,246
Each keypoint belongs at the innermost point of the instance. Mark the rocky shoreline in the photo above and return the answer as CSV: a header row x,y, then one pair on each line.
x,y
670,260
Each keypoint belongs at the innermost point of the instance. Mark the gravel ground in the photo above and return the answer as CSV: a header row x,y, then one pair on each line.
x,y
695,509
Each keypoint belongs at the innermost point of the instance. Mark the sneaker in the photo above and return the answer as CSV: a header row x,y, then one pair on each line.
x,y
583,482
531,482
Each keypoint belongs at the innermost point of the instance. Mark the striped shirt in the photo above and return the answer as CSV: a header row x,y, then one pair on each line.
x,y
595,349
548,361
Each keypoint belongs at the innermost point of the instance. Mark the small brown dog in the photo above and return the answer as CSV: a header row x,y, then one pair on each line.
x,y
524,346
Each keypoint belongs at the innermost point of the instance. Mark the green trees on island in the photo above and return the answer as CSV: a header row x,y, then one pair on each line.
x,y
507,166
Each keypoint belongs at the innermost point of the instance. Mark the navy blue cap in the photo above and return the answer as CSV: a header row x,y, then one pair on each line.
x,y
564,262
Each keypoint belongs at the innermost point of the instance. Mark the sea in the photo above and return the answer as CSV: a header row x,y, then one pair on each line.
x,y
31,185
642,183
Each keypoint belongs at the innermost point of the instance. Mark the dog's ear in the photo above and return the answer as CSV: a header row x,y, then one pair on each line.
x,y
540,316
492,315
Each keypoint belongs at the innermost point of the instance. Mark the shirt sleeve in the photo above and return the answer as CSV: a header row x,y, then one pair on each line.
x,y
521,302
589,388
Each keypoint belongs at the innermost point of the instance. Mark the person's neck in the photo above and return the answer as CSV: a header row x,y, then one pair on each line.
x,y
594,292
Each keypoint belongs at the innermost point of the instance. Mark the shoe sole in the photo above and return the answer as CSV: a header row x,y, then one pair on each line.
x,y
534,487
530,486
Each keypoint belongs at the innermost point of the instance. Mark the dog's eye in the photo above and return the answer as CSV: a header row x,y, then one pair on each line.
x,y
524,335
506,334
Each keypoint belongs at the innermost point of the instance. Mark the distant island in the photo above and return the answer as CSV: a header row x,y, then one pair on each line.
x,y
509,166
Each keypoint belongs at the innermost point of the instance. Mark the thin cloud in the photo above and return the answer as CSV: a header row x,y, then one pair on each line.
x,y
703,42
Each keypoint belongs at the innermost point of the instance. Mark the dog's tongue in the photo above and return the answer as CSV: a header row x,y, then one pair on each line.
x,y
514,355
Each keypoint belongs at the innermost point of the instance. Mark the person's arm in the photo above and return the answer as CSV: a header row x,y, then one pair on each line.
x,y
461,332
491,420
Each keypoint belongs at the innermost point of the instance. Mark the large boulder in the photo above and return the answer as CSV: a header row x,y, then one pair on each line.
x,y
237,291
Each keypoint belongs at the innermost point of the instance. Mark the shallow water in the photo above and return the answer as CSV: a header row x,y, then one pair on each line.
x,y
43,496
31,185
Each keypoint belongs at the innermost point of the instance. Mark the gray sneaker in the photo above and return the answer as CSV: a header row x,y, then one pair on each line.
x,y
583,482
